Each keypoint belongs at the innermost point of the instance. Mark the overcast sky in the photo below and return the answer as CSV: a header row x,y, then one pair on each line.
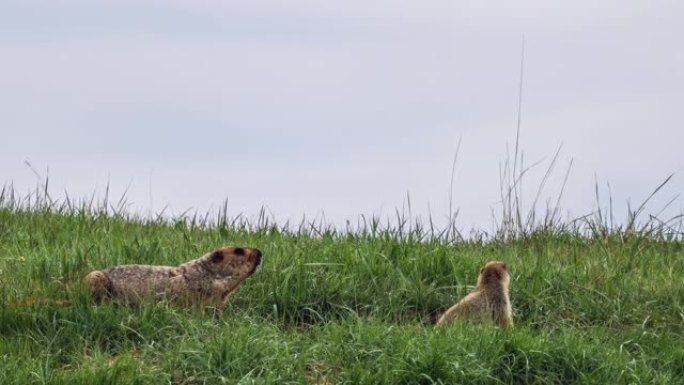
x,y
342,108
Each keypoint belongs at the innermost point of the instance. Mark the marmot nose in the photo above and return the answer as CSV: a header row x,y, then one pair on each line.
x,y
258,256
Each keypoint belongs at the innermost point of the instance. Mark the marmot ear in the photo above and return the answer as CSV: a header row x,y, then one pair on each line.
x,y
239,251
217,256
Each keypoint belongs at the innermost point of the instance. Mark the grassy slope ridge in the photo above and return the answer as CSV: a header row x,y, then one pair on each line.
x,y
331,307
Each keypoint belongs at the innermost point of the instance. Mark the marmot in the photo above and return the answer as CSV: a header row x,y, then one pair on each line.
x,y
489,300
207,280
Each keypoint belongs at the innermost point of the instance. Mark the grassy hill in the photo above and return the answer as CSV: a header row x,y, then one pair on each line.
x,y
327,307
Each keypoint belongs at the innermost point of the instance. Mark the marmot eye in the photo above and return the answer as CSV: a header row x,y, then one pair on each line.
x,y
239,251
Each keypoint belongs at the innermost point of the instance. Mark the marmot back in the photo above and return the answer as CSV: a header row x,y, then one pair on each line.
x,y
208,280
488,302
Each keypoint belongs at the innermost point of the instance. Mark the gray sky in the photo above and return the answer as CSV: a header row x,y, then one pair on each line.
x,y
342,108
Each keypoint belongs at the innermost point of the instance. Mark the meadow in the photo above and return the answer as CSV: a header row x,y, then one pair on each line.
x,y
592,304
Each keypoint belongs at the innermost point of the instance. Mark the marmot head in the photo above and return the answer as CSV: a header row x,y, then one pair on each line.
x,y
233,261
493,272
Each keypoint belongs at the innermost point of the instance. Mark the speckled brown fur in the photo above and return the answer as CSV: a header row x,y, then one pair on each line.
x,y
488,302
207,280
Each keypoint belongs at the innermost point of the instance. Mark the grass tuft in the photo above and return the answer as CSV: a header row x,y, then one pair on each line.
x,y
593,302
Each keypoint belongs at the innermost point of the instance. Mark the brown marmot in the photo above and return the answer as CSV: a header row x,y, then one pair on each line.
x,y
207,280
489,300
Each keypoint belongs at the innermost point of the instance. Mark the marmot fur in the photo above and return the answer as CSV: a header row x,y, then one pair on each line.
x,y
488,302
207,280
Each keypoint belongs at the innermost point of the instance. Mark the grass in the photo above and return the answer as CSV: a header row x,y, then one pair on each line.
x,y
326,306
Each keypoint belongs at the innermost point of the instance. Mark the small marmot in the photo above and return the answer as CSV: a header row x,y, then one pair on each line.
x,y
489,300
207,280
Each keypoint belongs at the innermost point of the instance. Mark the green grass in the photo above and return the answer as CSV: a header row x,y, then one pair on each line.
x,y
337,307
